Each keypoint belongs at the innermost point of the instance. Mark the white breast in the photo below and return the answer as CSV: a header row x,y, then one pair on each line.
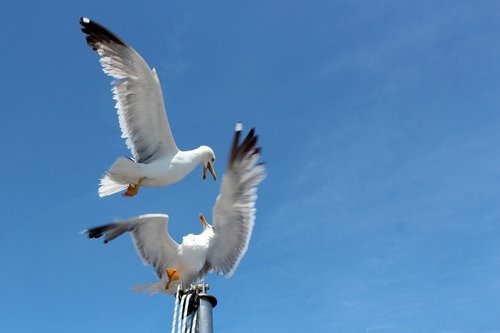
x,y
192,254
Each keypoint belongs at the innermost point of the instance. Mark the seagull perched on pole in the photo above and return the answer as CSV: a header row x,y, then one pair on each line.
x,y
220,247
143,121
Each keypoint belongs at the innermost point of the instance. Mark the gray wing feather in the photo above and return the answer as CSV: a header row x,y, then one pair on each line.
x,y
153,244
137,91
234,210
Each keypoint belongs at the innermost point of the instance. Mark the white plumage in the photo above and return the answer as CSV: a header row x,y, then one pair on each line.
x,y
218,248
143,120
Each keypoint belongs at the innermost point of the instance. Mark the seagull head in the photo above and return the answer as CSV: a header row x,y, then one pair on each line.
x,y
208,162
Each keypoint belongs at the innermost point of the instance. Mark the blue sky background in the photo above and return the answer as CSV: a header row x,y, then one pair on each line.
x,y
380,125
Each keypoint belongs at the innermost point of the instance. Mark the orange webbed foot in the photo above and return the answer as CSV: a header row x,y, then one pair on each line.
x,y
133,189
173,275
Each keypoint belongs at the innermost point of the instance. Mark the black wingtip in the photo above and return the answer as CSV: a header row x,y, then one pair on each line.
x,y
96,232
97,33
246,147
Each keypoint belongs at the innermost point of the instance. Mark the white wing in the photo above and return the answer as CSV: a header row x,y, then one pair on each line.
x,y
136,88
150,235
234,210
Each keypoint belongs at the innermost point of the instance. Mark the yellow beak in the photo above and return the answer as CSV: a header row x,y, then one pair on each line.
x,y
203,220
212,171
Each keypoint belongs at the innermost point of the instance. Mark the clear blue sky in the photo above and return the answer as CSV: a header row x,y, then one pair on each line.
x,y
380,125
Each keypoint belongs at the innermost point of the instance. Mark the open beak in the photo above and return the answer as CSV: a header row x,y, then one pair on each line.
x,y
209,167
204,221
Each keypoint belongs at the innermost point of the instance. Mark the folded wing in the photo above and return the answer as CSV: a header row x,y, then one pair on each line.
x,y
234,210
136,88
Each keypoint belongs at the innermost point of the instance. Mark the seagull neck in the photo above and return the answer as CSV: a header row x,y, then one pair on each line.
x,y
202,240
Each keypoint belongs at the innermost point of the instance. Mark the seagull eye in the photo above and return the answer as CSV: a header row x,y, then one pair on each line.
x,y
213,160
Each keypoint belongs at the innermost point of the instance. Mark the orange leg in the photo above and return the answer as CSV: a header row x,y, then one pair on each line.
x,y
133,189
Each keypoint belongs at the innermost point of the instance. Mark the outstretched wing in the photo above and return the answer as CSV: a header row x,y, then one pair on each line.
x,y
137,91
234,210
150,235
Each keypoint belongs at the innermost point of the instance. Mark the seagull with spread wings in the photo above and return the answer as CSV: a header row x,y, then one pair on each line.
x,y
143,121
220,247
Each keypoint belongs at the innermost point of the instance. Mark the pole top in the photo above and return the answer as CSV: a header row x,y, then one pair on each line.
x,y
201,290
210,298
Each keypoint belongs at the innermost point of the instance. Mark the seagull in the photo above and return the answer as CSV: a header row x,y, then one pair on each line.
x,y
220,247
143,121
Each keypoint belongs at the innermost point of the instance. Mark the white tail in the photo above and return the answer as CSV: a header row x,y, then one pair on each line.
x,y
108,186
123,172
149,288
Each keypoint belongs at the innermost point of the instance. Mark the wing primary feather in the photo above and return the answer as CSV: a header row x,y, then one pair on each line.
x,y
249,136
137,91
240,151
96,33
110,231
239,126
96,232
234,210
234,146
247,146
153,244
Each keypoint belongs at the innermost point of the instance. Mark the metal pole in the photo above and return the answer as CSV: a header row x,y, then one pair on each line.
x,y
207,303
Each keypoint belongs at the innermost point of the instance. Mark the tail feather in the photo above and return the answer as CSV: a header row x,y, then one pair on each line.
x,y
108,186
123,172
154,288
